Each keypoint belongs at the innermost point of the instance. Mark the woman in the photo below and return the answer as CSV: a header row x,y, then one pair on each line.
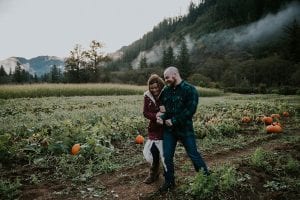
x,y
153,147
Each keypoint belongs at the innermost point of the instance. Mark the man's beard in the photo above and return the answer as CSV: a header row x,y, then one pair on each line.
x,y
172,83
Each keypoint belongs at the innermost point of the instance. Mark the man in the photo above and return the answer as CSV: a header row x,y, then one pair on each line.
x,y
180,100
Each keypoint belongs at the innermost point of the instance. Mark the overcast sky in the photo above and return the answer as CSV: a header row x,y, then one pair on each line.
x,y
30,28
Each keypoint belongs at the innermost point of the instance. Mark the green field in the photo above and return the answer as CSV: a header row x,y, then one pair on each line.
x,y
48,90
36,136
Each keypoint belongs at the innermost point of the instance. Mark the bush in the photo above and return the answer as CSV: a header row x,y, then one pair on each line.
x,y
292,165
9,190
222,179
199,80
260,159
242,90
287,90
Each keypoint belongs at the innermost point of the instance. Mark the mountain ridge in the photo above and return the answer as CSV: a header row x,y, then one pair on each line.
x,y
37,65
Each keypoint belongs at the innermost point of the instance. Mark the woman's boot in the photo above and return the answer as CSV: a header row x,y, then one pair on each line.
x,y
153,174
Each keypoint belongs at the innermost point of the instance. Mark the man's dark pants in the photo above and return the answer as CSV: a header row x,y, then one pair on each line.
x,y
189,143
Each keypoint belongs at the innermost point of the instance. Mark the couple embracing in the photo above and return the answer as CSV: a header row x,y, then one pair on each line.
x,y
170,110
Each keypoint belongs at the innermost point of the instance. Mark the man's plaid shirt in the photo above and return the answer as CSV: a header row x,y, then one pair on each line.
x,y
181,104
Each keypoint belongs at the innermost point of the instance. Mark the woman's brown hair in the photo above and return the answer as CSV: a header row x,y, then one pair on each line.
x,y
154,78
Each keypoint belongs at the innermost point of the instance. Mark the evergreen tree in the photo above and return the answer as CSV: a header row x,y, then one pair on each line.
x,y
36,79
3,75
54,74
168,58
17,75
292,41
183,61
143,62
2,71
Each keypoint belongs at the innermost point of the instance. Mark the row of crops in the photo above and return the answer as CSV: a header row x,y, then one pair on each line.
x,y
67,90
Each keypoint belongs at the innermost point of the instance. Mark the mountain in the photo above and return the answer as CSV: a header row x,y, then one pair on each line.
x,y
38,65
216,27
251,44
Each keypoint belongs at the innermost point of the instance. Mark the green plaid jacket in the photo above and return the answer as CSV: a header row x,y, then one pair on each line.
x,y
181,104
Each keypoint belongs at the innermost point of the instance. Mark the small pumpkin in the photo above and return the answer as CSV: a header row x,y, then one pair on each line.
x,y
139,139
246,119
273,129
75,149
285,114
267,120
277,116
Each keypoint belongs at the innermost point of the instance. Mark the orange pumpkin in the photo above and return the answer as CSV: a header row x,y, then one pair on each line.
x,y
139,139
285,114
75,149
275,116
246,119
267,120
273,129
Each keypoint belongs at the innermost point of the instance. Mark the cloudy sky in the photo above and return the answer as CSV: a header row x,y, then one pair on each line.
x,y
30,28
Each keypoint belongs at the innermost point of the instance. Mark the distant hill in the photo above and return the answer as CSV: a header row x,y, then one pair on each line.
x,y
216,27
231,44
38,65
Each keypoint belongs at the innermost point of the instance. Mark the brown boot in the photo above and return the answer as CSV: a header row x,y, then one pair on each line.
x,y
153,174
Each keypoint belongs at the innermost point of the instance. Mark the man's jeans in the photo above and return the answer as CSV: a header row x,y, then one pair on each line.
x,y
189,143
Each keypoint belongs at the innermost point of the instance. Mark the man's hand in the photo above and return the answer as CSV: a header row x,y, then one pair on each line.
x,y
159,114
159,120
169,122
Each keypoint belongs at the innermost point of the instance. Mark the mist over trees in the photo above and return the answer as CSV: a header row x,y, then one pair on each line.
x,y
235,45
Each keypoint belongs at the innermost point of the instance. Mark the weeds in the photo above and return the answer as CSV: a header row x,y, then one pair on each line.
x,y
292,165
260,159
221,179
9,190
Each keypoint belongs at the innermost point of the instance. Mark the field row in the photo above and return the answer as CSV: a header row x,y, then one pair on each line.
x,y
48,90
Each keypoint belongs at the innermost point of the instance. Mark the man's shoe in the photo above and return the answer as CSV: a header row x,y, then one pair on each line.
x,y
166,187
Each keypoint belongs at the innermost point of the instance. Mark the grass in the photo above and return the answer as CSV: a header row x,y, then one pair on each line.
x,y
48,90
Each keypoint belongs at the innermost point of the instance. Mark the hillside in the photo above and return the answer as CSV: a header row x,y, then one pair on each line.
x,y
229,42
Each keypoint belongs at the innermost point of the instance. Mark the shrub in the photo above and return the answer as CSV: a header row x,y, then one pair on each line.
x,y
292,165
9,190
222,179
259,159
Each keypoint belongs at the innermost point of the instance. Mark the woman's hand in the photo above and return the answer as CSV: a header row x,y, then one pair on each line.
x,y
162,109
